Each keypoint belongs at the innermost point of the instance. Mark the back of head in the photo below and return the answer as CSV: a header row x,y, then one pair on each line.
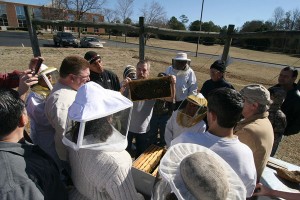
x,y
205,180
99,128
72,65
11,109
227,104
196,172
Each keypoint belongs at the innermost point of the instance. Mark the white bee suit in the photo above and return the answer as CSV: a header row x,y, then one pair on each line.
x,y
100,169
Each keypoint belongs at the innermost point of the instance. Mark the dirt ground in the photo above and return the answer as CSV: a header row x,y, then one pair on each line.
x,y
115,59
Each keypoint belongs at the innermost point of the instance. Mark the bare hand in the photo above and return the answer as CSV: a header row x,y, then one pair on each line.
x,y
124,84
261,190
27,79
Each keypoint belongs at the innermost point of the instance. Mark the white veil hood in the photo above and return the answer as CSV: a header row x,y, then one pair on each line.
x,y
94,102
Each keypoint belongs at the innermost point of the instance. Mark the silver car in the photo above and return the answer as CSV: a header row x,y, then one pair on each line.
x,y
89,41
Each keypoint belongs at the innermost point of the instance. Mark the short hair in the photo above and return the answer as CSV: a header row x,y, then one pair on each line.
x,y
100,128
292,69
227,104
11,109
142,62
262,108
72,65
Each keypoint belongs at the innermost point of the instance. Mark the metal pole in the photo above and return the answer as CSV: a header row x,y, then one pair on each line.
x,y
200,28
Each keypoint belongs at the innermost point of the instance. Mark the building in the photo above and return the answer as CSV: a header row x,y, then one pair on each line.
x,y
12,16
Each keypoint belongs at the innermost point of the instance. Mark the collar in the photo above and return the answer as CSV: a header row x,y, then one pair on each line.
x,y
255,117
17,148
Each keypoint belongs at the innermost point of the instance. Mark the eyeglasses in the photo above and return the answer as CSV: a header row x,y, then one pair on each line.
x,y
87,77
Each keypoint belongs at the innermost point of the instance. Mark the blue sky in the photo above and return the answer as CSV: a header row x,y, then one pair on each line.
x,y
221,12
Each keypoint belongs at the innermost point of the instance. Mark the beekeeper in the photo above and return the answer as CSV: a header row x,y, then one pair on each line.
x,y
96,141
40,129
188,117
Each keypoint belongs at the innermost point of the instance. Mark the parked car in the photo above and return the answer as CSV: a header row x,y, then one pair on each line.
x,y
90,41
65,39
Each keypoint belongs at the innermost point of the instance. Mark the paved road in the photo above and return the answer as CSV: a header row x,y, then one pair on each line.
x,y
17,39
22,39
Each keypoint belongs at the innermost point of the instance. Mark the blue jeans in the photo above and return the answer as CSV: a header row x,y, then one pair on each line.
x,y
158,122
142,142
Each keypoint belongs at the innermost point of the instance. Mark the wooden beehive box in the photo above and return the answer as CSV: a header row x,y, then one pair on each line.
x,y
145,169
154,88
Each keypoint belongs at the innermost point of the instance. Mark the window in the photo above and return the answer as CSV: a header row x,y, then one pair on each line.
x,y
21,16
95,19
37,13
71,17
84,29
3,15
71,29
96,30
84,18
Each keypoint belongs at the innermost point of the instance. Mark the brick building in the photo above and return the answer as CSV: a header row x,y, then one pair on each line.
x,y
12,15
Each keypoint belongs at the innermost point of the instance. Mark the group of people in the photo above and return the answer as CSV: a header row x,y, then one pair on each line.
x,y
83,124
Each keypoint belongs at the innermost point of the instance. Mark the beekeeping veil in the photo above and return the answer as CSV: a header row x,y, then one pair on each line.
x,y
100,119
192,110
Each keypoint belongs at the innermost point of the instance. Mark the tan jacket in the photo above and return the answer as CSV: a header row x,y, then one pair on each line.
x,y
257,133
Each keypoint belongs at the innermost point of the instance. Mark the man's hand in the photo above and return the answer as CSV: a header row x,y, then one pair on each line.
x,y
261,190
27,79
124,84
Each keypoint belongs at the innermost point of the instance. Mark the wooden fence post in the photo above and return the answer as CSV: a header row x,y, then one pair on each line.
x,y
32,33
141,39
227,43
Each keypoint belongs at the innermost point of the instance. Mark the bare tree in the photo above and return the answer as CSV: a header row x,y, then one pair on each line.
x,y
83,6
124,9
278,16
109,15
154,14
295,18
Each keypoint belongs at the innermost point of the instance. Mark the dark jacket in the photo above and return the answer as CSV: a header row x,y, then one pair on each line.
x,y
291,109
211,85
106,79
28,173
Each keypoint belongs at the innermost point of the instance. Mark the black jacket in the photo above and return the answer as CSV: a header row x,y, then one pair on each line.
x,y
291,109
106,79
211,85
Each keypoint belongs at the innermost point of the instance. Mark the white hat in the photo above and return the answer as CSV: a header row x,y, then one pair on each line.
x,y
93,101
196,172
181,56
